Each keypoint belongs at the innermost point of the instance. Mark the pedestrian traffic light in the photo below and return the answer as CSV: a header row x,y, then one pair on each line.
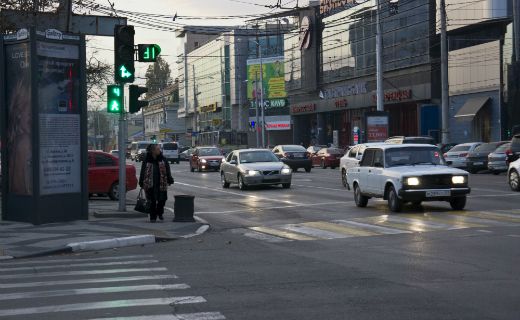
x,y
124,54
154,138
134,91
115,98
148,52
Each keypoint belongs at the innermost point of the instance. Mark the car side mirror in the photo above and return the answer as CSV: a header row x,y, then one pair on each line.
x,y
233,162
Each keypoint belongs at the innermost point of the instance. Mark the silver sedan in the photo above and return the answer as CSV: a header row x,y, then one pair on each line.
x,y
253,167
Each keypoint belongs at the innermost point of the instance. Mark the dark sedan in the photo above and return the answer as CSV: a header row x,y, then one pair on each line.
x,y
477,160
294,156
497,160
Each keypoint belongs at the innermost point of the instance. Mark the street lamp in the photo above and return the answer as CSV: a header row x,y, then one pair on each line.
x,y
261,94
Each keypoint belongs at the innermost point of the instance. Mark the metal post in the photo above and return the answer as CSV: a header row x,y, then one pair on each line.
x,y
379,60
444,75
256,112
122,163
262,95
516,29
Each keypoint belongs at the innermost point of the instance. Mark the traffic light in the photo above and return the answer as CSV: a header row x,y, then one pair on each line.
x,y
134,91
148,52
393,7
114,98
124,54
154,138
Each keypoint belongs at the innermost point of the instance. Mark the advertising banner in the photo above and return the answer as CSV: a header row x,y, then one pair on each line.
x,y
60,138
377,126
273,78
19,118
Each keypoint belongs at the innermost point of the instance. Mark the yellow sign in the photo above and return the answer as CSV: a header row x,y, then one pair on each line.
x,y
216,122
209,108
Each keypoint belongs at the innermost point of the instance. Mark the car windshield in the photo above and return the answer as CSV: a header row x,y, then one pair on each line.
x,y
503,148
209,152
257,156
413,156
170,146
294,149
460,147
486,147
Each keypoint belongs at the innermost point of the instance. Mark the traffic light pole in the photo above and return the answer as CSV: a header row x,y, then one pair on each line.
x,y
121,142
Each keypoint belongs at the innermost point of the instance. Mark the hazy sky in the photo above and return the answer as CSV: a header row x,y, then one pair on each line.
x,y
183,8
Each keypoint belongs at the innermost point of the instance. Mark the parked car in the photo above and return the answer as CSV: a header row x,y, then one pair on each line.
x,y
115,153
477,160
412,173
170,151
251,167
294,156
138,150
497,160
457,156
314,149
515,149
446,147
185,155
513,175
103,175
327,158
409,140
351,159
205,159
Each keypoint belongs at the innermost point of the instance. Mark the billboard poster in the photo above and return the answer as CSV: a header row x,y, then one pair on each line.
x,y
377,126
273,78
19,118
58,103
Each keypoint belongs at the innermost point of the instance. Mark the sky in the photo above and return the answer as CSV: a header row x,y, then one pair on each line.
x,y
167,40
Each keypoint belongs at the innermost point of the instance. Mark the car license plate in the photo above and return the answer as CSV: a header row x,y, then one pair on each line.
x,y
478,163
438,193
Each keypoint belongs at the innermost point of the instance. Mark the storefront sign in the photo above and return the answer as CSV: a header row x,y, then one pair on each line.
x,y
274,103
341,104
395,96
328,5
344,91
209,108
377,127
303,108
273,76
216,122
278,125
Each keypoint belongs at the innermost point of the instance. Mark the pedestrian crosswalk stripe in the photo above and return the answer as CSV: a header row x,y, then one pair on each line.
x,y
283,234
345,230
79,273
187,316
70,292
313,232
489,215
84,281
414,225
94,264
454,222
102,305
379,229
33,262
264,236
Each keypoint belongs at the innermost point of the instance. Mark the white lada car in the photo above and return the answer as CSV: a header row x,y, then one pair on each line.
x,y
407,173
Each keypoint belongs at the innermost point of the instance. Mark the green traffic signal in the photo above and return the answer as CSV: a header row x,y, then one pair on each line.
x,y
114,99
148,52
124,53
124,73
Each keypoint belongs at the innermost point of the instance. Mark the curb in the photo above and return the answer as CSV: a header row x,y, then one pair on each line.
x,y
111,243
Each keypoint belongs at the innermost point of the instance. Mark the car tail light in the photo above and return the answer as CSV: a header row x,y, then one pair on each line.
x,y
509,152
463,155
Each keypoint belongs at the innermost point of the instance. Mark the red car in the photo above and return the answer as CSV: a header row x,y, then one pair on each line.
x,y
327,157
103,175
206,159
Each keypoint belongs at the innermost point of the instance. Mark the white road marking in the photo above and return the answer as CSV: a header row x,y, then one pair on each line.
x,y
102,305
485,231
187,316
265,237
74,260
316,187
84,281
371,227
94,264
514,235
277,207
493,195
80,273
71,292
316,233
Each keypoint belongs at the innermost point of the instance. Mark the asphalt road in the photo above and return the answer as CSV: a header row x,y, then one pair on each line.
x,y
302,253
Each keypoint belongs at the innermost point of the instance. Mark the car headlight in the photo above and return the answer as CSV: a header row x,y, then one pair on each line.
x,y
458,179
413,181
286,171
253,173
203,161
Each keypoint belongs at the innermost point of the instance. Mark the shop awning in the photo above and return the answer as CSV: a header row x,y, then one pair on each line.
x,y
472,107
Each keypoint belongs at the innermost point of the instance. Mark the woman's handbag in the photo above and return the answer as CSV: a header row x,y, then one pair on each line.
x,y
142,204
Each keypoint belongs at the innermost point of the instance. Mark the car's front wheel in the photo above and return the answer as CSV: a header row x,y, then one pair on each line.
x,y
359,198
113,193
225,184
308,169
286,185
323,165
514,180
458,203
241,184
394,203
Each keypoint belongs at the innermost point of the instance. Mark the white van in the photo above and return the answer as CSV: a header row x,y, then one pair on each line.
x,y
170,151
138,150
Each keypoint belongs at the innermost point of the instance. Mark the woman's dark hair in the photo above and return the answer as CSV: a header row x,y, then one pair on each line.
x,y
150,147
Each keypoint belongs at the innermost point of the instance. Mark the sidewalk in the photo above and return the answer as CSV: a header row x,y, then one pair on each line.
x,y
106,228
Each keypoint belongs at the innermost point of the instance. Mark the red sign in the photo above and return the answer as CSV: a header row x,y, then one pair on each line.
x,y
303,108
397,95
377,128
340,104
278,125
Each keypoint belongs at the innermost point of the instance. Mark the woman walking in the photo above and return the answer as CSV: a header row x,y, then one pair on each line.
x,y
155,178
